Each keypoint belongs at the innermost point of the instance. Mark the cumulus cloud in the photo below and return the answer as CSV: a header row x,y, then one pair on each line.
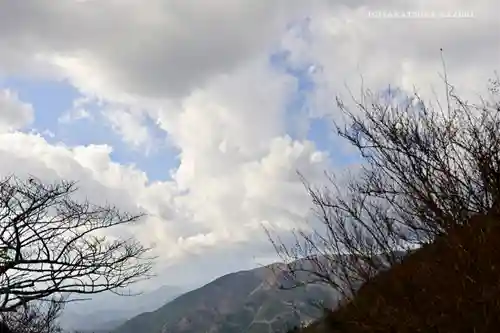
x,y
77,112
129,125
237,167
14,114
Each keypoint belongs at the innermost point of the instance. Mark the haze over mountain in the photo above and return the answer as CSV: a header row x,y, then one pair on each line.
x,y
245,301
109,311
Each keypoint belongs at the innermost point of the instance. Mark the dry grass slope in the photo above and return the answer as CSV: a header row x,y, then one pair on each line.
x,y
451,285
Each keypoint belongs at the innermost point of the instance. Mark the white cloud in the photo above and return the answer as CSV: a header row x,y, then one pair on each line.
x,y
164,48
14,114
350,48
237,167
74,115
129,125
210,215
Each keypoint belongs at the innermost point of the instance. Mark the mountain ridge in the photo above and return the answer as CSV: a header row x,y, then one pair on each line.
x,y
243,301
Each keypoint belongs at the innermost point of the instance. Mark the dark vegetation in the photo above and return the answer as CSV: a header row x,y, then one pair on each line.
x,y
451,285
35,317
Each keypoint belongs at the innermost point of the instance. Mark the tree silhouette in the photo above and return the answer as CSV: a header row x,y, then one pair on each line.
x,y
425,171
52,245
35,317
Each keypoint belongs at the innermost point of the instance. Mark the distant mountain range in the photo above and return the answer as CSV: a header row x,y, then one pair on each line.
x,y
247,301
110,311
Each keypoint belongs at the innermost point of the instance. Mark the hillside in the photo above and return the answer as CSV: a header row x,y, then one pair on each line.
x,y
451,285
246,301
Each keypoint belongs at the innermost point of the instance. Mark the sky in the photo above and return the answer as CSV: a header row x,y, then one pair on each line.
x,y
200,113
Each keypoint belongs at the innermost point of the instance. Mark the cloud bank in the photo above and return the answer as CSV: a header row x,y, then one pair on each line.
x,y
234,87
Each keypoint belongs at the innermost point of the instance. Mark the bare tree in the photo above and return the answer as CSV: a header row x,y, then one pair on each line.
x,y
35,317
52,245
425,170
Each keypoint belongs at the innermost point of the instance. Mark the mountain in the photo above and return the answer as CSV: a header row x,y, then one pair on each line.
x,y
246,301
109,311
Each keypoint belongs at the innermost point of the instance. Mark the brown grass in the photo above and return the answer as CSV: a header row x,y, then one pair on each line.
x,y
451,285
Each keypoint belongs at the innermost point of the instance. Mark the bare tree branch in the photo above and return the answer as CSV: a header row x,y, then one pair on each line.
x,y
52,244
425,172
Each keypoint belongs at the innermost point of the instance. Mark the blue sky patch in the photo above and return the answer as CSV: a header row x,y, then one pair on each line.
x,y
53,99
320,130
50,99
